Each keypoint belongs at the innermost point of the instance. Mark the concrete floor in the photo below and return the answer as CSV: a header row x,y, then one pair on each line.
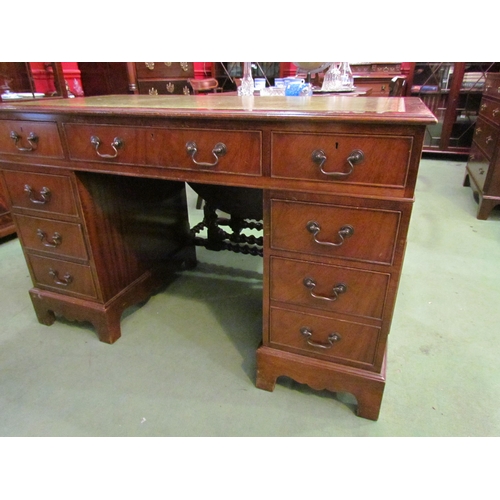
x,y
185,364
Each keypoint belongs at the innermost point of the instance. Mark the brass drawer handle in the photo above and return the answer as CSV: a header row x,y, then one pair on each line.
x,y
65,281
32,139
56,239
218,151
44,198
344,232
489,139
356,156
332,338
116,145
339,288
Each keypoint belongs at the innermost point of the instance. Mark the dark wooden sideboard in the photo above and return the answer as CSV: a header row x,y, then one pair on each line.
x,y
97,190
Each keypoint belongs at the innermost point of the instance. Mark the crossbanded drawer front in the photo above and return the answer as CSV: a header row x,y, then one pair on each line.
x,y
115,144
331,288
363,234
490,109
54,237
218,151
30,138
323,337
42,192
65,277
350,159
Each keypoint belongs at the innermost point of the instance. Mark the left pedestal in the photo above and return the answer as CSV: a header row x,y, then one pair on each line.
x,y
96,244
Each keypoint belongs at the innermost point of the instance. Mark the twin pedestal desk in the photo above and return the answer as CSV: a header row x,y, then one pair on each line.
x,y
96,187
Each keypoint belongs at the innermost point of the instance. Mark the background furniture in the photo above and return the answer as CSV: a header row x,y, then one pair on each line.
x,y
203,85
23,77
385,79
483,167
452,91
160,77
100,206
105,78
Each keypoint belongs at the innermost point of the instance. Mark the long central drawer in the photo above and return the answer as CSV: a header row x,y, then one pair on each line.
x,y
218,151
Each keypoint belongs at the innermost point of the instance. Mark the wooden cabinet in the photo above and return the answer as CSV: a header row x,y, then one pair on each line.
x,y
104,78
103,218
453,92
157,78
483,166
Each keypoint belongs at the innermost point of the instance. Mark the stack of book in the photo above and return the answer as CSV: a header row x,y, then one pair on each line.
x,y
473,81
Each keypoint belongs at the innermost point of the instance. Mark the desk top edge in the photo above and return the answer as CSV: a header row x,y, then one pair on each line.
x,y
336,108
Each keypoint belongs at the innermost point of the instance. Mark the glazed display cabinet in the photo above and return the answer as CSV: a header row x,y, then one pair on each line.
x,y
453,92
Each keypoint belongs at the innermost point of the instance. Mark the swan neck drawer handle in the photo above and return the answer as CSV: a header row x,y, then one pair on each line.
x,y
319,157
116,145
65,281
344,232
32,139
44,198
332,338
218,151
56,239
338,289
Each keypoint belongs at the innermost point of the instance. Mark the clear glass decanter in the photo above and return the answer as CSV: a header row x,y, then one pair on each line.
x,y
332,79
247,83
346,76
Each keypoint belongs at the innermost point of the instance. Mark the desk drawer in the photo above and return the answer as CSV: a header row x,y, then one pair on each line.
x,y
30,138
116,144
42,192
325,158
241,151
65,277
331,288
491,109
55,237
354,233
322,337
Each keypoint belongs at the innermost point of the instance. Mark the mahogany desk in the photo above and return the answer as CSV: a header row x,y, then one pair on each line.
x,y
96,187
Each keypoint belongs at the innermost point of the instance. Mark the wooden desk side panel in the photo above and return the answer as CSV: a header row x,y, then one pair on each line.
x,y
6,223
134,226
